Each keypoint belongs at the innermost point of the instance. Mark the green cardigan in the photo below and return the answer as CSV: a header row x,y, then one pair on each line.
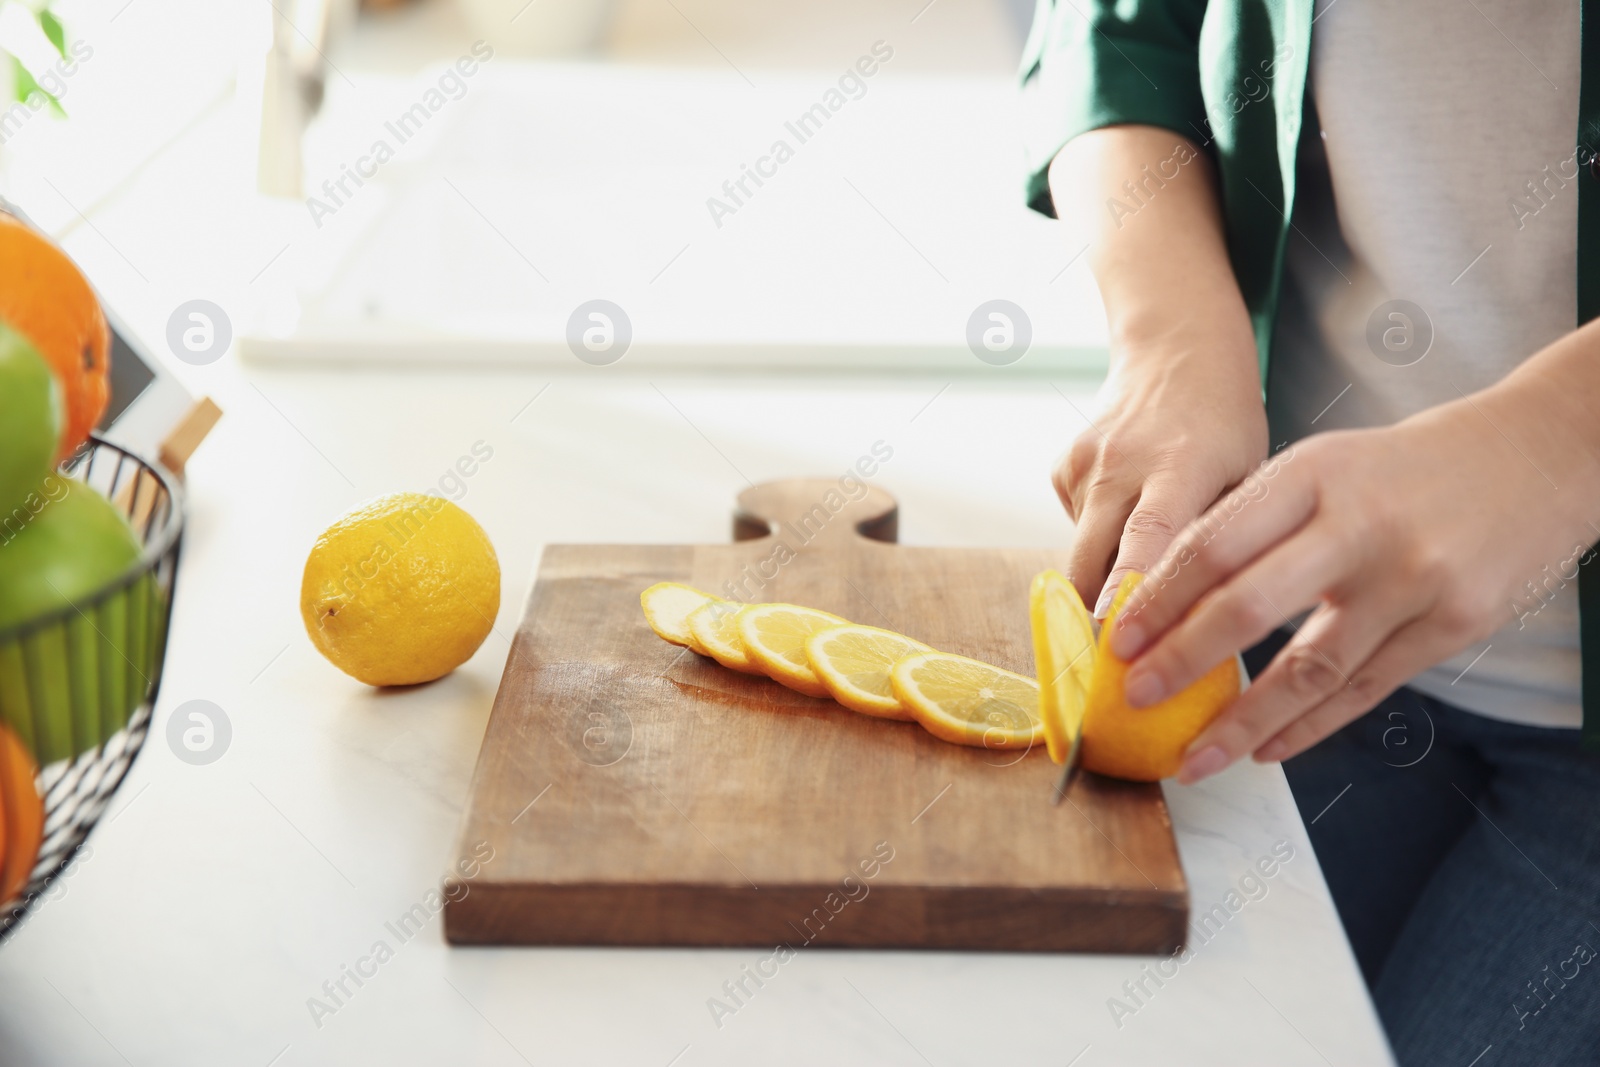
x,y
1231,76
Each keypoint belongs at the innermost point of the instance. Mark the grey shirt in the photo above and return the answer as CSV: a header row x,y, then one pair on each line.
x,y
1434,249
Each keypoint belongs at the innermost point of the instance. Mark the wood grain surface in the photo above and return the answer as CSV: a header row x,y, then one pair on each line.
x,y
630,792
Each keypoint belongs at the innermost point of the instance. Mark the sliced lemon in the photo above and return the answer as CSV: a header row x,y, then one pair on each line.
x,y
852,662
714,627
775,637
666,608
1063,656
966,702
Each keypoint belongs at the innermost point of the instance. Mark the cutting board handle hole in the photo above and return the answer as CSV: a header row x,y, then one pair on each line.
x,y
816,510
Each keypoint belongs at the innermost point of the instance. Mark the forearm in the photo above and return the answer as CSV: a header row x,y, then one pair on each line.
x,y
1180,418
1548,409
1145,201
1407,543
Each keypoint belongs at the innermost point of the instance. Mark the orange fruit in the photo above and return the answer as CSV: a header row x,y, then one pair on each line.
x,y
1146,744
21,815
47,300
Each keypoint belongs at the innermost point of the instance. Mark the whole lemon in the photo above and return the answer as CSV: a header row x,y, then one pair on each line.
x,y
401,590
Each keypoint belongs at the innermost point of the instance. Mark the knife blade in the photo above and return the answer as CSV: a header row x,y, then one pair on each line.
x,y
1069,767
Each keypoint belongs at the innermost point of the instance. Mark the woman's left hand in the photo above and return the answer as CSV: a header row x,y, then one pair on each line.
x,y
1411,542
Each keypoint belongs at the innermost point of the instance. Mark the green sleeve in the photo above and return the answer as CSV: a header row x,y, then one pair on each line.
x,y
1094,63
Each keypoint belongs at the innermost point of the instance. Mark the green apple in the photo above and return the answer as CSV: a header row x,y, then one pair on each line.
x,y
69,686
31,416
72,543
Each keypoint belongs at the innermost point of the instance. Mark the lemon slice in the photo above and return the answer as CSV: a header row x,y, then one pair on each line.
x,y
714,627
775,637
966,702
1063,656
853,663
666,608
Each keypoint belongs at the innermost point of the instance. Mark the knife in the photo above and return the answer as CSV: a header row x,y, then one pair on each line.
x,y
1069,768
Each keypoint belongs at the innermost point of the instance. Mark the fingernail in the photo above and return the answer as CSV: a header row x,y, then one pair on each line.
x,y
1271,752
1127,638
1203,764
1103,605
1144,687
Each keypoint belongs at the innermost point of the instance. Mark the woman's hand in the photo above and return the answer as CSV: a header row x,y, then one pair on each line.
x,y
1181,417
1176,427
1410,542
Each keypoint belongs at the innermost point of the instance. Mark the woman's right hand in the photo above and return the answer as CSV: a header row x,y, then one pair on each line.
x,y
1180,419
1173,431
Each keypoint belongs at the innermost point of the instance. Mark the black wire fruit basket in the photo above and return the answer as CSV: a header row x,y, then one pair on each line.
x,y
77,686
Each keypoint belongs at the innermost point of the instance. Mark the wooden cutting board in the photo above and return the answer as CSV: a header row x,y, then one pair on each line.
x,y
630,792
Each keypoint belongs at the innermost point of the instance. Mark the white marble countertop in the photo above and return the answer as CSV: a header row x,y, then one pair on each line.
x,y
214,901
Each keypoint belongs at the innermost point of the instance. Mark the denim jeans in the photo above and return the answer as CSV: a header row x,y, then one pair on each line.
x,y
1463,854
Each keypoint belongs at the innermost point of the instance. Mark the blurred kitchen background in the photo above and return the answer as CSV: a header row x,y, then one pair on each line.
x,y
583,157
